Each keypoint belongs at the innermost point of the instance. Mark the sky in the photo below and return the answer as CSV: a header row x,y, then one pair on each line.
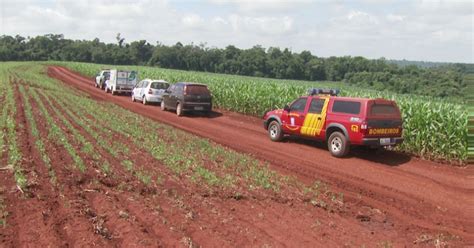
x,y
433,30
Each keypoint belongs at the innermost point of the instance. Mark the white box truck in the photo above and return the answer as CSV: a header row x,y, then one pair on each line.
x,y
121,81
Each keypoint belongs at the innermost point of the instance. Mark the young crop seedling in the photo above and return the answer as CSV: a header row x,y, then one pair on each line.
x,y
39,144
57,134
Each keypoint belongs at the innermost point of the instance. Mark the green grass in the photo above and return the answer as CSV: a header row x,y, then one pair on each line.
x,y
434,128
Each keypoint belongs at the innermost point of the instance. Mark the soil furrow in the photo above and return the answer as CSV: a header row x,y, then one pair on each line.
x,y
415,194
66,208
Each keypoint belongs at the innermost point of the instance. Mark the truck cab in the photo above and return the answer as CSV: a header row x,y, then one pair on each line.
x,y
101,78
340,121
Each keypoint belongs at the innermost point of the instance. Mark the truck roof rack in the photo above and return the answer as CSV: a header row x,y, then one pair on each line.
x,y
319,91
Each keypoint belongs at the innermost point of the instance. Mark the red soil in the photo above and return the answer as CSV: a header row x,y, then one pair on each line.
x,y
389,197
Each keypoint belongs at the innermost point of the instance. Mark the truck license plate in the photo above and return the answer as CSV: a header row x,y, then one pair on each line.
x,y
385,141
198,108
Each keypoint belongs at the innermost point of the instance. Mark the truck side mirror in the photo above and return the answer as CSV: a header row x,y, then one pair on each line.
x,y
286,108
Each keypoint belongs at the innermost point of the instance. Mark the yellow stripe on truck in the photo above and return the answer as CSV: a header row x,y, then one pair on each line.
x,y
311,125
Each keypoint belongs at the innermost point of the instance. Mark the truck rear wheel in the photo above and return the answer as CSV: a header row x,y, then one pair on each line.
x,y
274,131
338,145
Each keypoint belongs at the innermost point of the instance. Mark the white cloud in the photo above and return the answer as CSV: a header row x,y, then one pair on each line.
x,y
192,20
255,6
421,30
395,18
261,25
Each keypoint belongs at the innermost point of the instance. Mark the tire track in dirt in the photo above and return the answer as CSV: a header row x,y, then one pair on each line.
x,y
411,191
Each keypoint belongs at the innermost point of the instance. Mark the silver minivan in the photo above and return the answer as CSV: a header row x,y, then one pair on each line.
x,y
149,91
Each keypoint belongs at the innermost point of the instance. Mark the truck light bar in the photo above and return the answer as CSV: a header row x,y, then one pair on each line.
x,y
318,91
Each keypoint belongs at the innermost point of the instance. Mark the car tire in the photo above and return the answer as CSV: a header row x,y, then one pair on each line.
x,y
179,109
144,100
162,105
274,131
338,145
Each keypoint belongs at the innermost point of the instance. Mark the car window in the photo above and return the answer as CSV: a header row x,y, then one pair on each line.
x,y
179,89
298,105
383,109
346,107
197,90
316,106
159,85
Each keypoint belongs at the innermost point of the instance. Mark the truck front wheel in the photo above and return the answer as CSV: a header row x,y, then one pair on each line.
x,y
338,145
274,131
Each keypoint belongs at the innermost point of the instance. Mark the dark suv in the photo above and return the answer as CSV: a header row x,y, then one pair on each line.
x,y
187,97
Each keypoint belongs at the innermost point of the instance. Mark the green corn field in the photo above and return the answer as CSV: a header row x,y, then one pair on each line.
x,y
470,104
434,128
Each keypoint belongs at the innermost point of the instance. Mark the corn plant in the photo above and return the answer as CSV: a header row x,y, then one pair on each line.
x,y
433,128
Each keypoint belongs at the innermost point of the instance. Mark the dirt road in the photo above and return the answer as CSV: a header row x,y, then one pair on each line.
x,y
414,195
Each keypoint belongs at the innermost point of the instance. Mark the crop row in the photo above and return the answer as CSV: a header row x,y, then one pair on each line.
x,y
126,135
8,127
433,128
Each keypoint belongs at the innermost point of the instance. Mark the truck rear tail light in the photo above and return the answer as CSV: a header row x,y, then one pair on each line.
x,y
363,128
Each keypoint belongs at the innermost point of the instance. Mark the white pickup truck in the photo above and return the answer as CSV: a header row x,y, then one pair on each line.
x,y
101,78
121,81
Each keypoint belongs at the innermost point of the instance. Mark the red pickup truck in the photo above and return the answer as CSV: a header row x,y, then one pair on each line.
x,y
340,121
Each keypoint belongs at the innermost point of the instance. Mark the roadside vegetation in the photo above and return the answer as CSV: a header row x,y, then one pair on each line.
x,y
434,128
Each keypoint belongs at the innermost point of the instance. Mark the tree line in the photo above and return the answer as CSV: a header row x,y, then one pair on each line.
x,y
273,62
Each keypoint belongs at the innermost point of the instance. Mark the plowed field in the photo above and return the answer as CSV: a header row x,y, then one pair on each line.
x,y
100,170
